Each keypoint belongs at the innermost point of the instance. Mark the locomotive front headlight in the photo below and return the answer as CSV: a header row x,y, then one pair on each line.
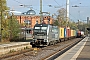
x,y
32,36
45,40
35,40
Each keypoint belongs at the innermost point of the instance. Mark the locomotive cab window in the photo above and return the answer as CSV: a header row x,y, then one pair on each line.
x,y
44,28
55,30
37,27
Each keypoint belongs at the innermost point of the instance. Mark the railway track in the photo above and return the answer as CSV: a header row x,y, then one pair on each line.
x,y
42,53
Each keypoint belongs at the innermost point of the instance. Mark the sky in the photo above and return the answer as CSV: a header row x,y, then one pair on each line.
x,y
75,13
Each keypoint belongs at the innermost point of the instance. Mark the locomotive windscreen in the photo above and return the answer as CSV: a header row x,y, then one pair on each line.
x,y
40,30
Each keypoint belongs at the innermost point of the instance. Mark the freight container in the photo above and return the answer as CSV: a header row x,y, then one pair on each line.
x,y
68,33
61,32
74,33
65,33
71,33
82,34
78,33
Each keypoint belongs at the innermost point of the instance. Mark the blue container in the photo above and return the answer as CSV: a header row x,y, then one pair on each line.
x,y
65,32
76,33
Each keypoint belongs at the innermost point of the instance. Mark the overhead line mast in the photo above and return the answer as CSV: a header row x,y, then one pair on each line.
x,y
67,12
40,11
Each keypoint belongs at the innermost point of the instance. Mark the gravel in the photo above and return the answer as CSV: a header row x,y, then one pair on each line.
x,y
43,52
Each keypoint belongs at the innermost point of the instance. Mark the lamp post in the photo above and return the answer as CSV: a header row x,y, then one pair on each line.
x,y
84,27
25,32
78,23
77,6
79,15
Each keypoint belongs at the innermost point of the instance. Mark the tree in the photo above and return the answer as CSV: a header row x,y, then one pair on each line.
x,y
73,25
61,20
56,23
3,23
62,13
8,25
14,27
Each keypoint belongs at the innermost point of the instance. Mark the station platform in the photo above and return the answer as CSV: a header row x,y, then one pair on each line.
x,y
80,51
13,46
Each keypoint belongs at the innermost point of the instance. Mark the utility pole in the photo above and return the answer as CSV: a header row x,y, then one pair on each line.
x,y
41,11
67,12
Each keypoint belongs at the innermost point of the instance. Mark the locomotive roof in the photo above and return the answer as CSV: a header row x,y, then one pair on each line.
x,y
42,25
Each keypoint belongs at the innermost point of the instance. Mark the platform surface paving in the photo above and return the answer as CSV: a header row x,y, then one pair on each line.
x,y
6,48
81,51
85,53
